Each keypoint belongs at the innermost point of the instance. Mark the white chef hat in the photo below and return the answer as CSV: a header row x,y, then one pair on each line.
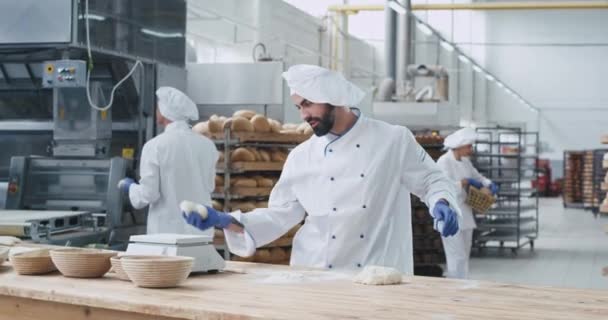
x,y
175,105
460,138
320,85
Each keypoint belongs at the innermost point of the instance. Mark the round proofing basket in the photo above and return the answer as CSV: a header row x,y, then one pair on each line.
x,y
479,201
82,263
33,262
157,272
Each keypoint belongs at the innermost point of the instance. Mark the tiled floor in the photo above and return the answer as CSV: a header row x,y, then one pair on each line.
x,y
571,251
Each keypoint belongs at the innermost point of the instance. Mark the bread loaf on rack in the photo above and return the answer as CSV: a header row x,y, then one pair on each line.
x,y
260,124
242,154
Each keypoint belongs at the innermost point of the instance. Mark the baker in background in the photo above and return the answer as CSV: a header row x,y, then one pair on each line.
x,y
456,165
176,165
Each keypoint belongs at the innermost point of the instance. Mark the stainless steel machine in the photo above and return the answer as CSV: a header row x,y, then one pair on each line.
x,y
62,158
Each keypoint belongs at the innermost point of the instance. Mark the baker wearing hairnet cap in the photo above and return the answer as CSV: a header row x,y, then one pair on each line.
x,y
459,169
353,178
176,165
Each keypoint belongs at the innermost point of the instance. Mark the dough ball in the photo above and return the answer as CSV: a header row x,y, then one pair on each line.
x,y
240,124
189,206
376,275
260,124
242,154
201,128
247,114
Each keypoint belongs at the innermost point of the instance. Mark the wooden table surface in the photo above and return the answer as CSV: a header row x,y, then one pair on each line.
x,y
254,291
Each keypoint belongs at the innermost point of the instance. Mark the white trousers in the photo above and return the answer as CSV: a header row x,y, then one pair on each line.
x,y
457,251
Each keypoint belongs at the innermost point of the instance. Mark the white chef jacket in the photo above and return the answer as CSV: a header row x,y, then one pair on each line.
x,y
176,165
356,190
456,171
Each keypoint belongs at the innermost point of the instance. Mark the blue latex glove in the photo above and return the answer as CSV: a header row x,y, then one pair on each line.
x,y
214,219
475,183
494,188
125,184
443,214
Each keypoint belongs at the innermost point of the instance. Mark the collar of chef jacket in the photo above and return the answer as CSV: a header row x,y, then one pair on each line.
x,y
331,137
177,125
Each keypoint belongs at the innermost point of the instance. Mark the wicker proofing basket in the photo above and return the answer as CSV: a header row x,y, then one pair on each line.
x,y
33,262
479,201
82,263
157,272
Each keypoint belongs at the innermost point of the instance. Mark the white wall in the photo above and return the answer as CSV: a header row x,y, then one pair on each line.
x,y
531,52
225,31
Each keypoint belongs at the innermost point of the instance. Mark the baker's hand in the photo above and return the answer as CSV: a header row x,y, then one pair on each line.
x,y
494,188
214,219
446,219
475,183
125,184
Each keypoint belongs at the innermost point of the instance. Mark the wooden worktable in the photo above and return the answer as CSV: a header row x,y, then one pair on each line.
x,y
248,291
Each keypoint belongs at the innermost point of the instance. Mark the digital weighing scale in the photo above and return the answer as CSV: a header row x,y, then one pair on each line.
x,y
200,247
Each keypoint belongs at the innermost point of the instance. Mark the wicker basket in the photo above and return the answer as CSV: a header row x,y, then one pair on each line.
x,y
33,262
82,263
480,202
157,272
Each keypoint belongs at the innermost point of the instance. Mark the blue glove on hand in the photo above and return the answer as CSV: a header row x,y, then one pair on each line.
x,y
475,183
494,188
448,217
214,219
125,184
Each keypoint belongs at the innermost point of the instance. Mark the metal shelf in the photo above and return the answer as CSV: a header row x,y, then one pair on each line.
x,y
512,222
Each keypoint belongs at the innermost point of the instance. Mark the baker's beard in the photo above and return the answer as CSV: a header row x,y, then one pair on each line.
x,y
325,123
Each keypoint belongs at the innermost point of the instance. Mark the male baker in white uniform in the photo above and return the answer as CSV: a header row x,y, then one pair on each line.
x,y
353,178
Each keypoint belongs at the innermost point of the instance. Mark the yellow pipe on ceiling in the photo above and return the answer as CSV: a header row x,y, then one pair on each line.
x,y
534,5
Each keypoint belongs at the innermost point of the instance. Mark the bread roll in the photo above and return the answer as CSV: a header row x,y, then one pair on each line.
x,y
292,232
265,155
278,156
303,127
278,255
275,126
201,128
261,204
248,114
215,125
264,182
288,132
244,182
221,158
262,255
245,207
243,259
240,124
256,153
290,126
217,205
260,124
242,154
219,181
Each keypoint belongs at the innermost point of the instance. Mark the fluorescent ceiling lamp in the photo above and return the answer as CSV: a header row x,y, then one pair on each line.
x,y
464,59
476,68
397,7
91,16
490,77
498,83
447,46
162,34
424,28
